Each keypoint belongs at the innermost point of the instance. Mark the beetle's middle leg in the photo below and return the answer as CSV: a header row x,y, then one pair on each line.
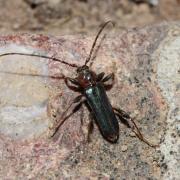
x,y
63,117
131,123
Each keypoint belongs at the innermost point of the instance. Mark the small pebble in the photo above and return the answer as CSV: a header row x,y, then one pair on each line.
x,y
124,148
132,134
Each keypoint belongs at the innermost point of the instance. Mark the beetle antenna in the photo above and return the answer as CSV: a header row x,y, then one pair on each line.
x,y
42,56
95,40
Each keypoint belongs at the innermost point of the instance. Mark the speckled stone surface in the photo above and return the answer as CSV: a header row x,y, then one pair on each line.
x,y
146,63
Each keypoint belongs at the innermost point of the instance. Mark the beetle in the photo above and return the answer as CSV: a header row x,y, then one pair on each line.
x,y
92,87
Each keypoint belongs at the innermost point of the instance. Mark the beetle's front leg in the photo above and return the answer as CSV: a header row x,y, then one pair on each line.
x,y
74,81
108,78
100,77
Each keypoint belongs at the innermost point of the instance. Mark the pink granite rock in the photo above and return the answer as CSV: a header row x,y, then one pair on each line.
x,y
146,66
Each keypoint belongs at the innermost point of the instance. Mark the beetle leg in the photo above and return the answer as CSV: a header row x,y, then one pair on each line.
x,y
63,118
131,123
73,81
108,77
138,133
100,76
76,88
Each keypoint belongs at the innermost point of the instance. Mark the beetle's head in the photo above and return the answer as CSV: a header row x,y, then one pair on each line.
x,y
85,76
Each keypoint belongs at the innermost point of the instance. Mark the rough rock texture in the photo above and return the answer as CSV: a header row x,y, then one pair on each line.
x,y
60,17
146,63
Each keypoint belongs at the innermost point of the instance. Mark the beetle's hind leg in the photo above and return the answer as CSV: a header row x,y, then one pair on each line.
x,y
131,123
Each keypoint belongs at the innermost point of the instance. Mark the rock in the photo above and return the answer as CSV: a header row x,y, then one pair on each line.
x,y
124,148
23,97
146,66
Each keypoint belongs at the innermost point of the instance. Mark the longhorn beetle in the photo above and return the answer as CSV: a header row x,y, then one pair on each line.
x,y
92,87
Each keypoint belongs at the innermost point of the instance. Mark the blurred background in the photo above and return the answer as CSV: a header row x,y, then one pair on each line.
x,y
59,17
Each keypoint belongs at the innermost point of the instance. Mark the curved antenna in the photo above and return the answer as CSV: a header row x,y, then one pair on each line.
x,y
95,40
42,56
